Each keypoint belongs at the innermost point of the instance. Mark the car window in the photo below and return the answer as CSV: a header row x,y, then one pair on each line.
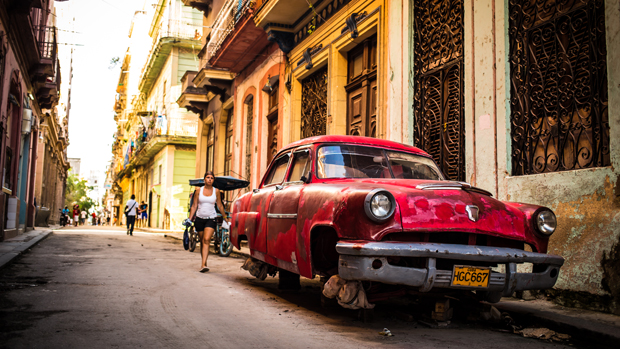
x,y
300,166
349,161
278,170
409,166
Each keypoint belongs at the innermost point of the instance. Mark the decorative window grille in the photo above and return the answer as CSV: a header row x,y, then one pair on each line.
x,y
210,142
228,147
248,138
438,85
314,104
559,118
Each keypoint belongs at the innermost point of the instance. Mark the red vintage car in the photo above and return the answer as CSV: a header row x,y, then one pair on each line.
x,y
374,210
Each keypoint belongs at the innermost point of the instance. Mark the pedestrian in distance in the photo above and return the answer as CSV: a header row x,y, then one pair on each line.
x,y
143,214
83,217
131,210
204,216
76,214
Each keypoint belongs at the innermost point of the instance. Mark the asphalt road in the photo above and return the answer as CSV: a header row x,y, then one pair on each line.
x,y
102,289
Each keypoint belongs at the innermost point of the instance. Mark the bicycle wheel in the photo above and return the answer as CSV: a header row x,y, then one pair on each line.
x,y
193,237
225,246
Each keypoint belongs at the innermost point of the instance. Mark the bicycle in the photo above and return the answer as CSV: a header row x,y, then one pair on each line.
x,y
221,237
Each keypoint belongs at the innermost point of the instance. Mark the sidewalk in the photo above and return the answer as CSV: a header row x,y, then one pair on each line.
x,y
592,326
11,248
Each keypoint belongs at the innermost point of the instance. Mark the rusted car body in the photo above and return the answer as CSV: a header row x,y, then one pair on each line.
x,y
375,210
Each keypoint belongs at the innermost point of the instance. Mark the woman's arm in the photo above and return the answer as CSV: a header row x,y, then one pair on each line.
x,y
219,204
194,204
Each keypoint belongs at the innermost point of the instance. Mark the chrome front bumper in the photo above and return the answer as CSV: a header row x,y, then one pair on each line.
x,y
356,263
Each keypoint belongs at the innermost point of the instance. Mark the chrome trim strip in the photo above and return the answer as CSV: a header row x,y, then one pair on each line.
x,y
452,186
282,215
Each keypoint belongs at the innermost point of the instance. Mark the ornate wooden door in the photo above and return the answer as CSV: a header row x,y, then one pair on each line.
x,y
362,89
438,84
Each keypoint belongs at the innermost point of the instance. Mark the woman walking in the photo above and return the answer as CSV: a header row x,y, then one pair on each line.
x,y
204,215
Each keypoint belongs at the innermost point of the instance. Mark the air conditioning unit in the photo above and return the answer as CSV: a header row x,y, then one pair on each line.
x,y
26,121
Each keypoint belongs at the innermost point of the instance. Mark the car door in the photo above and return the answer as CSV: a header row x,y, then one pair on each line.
x,y
282,220
261,199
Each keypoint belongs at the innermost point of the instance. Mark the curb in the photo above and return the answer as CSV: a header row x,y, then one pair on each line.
x,y
8,257
579,328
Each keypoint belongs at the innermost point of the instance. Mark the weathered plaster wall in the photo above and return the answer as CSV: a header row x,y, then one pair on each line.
x,y
399,91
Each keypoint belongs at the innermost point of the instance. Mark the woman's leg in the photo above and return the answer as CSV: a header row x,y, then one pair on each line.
x,y
205,242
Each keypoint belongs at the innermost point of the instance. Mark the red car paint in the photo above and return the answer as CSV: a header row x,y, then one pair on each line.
x,y
420,215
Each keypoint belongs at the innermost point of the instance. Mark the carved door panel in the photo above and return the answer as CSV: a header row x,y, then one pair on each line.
x,y
372,109
356,110
438,87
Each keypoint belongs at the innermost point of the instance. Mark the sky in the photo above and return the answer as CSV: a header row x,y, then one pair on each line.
x,y
98,33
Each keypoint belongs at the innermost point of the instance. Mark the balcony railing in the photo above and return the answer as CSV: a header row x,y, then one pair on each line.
x,y
224,24
46,37
179,29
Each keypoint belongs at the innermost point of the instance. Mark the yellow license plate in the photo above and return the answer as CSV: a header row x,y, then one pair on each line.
x,y
463,275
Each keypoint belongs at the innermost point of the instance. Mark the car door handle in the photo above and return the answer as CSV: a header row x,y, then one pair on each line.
x,y
279,187
255,191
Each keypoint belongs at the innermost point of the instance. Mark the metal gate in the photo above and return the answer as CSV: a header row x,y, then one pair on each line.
x,y
314,104
438,83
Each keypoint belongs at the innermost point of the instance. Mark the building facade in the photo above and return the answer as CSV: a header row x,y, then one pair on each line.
x,y
155,146
30,129
516,97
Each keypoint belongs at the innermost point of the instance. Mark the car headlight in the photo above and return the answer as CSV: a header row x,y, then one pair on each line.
x,y
546,222
379,205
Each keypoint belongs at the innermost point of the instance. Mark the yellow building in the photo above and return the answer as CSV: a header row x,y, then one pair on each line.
x,y
155,149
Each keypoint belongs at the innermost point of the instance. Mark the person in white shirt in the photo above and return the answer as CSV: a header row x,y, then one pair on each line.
x,y
130,211
203,207
82,217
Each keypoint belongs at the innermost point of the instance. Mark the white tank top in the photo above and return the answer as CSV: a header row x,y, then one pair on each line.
x,y
206,205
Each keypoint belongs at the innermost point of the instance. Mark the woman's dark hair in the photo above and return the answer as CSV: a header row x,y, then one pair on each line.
x,y
209,173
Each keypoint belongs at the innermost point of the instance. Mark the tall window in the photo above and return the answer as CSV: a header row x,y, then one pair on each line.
x,y
210,141
228,146
248,137
558,78
272,118
314,104
362,89
438,85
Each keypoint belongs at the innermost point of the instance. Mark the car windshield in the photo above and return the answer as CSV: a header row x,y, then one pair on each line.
x,y
349,161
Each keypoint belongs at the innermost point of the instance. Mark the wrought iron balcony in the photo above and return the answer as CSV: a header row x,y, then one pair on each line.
x,y
235,39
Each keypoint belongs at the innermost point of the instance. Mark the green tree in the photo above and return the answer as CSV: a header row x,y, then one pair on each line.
x,y
77,193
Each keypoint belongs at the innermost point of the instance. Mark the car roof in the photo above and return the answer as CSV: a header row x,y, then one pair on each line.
x,y
382,143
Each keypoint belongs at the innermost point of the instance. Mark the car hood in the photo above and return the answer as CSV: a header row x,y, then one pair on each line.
x,y
427,207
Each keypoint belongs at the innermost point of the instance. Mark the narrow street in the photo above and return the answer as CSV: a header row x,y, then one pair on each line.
x,y
97,287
